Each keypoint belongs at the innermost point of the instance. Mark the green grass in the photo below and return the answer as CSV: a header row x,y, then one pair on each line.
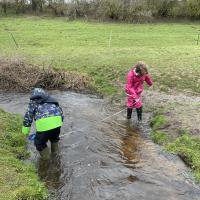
x,y
188,147
169,48
184,145
160,137
158,122
17,179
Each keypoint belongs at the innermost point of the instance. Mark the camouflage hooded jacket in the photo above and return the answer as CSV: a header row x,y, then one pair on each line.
x,y
45,110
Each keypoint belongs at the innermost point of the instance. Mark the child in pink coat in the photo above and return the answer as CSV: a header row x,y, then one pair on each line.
x,y
134,87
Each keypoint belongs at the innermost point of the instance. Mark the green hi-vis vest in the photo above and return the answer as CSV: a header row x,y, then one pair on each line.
x,y
45,124
48,123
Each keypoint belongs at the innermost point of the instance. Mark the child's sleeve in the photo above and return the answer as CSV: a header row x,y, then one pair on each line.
x,y
148,80
28,118
129,86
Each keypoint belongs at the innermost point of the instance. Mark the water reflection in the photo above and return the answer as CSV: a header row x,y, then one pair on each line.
x,y
50,171
130,144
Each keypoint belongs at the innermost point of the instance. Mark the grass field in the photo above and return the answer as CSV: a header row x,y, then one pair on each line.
x,y
107,51
17,179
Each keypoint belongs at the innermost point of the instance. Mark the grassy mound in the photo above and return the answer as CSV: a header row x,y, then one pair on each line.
x,y
17,179
186,146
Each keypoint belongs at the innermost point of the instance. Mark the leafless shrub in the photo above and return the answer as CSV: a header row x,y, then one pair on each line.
x,y
106,10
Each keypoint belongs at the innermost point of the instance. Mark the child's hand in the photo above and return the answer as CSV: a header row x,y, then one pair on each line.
x,y
31,137
135,100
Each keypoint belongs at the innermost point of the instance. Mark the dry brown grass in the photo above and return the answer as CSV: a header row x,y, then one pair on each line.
x,y
21,77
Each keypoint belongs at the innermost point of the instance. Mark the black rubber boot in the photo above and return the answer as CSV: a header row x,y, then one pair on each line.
x,y
43,168
45,155
129,113
139,113
54,147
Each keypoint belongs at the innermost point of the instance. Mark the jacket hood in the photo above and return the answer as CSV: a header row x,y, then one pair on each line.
x,y
39,93
40,96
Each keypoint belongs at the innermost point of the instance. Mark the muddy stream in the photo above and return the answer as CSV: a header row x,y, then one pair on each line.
x,y
107,160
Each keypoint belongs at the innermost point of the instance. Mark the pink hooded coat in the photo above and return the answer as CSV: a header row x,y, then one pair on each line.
x,y
134,87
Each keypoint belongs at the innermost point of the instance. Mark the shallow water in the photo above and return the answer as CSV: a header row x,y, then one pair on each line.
x,y
111,159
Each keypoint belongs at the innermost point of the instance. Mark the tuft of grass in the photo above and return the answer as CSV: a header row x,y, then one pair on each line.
x,y
10,137
158,122
17,179
160,137
188,148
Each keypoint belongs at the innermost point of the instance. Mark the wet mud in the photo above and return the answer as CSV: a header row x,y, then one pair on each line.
x,y
108,159
180,110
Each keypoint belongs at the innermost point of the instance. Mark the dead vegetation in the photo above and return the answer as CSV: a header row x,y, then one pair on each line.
x,y
21,77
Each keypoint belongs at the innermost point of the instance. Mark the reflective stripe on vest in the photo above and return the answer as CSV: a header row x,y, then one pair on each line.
x,y
48,123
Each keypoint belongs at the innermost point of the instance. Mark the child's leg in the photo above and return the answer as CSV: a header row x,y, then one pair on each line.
x,y
40,142
129,113
139,113
54,138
